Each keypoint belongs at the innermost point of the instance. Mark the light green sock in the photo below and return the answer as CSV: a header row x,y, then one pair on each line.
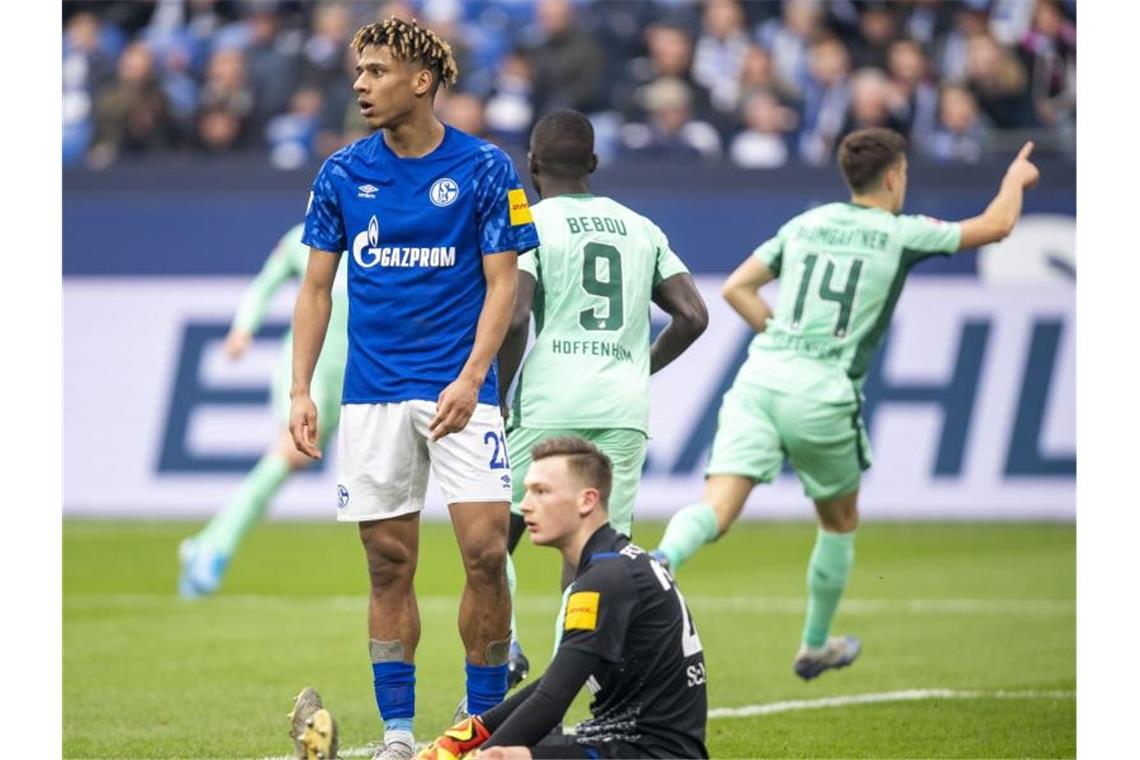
x,y
227,528
512,584
830,565
688,530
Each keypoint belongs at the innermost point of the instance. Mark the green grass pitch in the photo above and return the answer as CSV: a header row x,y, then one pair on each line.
x,y
969,638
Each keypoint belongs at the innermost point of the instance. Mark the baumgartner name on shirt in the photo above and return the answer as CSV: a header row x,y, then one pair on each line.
x,y
368,252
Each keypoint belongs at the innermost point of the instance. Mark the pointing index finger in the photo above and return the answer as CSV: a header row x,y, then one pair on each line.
x,y
1025,151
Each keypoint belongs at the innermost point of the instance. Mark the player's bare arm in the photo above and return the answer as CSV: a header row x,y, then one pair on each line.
x,y
458,400
997,221
741,290
237,343
310,321
678,297
514,344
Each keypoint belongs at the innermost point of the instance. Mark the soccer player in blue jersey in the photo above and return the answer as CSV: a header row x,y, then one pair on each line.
x,y
432,220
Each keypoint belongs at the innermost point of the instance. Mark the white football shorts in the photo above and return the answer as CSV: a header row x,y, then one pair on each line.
x,y
384,451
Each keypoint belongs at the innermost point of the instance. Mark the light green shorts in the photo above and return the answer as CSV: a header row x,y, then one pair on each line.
x,y
624,447
325,389
757,427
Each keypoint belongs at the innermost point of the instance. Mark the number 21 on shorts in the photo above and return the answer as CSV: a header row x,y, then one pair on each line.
x,y
499,459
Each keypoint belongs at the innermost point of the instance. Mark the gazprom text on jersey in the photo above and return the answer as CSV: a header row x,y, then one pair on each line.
x,y
405,256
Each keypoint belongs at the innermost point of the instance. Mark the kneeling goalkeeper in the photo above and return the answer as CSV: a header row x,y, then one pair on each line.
x,y
627,636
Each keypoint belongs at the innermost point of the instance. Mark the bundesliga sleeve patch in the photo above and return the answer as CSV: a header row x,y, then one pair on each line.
x,y
582,611
520,209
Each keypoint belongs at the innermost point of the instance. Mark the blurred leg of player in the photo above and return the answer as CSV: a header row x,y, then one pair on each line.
x,y
626,449
828,449
205,556
828,570
746,450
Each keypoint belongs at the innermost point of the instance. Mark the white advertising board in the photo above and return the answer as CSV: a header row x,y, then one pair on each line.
x,y
971,406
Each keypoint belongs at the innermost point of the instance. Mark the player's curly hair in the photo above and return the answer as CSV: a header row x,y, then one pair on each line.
x,y
411,42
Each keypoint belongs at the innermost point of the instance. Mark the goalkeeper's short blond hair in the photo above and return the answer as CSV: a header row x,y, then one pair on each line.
x,y
411,43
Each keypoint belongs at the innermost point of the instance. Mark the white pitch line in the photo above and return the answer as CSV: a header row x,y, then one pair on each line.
x,y
792,705
909,695
700,604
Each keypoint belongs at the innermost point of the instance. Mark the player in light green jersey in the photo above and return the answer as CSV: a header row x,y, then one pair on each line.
x,y
798,393
205,556
589,284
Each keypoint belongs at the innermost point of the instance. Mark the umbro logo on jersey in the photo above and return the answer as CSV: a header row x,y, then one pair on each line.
x,y
444,192
367,191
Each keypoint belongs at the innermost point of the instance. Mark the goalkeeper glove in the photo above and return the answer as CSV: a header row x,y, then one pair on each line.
x,y
465,736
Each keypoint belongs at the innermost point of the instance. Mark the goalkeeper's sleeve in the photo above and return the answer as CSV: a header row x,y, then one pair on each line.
x,y
529,715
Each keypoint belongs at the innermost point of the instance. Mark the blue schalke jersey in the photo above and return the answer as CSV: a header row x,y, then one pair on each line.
x,y
416,231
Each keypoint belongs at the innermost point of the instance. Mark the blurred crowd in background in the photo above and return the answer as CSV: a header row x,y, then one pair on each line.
x,y
753,84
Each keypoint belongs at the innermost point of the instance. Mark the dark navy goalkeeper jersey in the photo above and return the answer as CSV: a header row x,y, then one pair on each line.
x,y
649,685
416,231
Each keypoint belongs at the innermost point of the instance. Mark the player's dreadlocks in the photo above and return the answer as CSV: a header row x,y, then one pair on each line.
x,y
411,42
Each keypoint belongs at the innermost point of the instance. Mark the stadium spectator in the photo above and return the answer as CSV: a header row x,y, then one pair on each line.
x,y
878,28
719,53
1018,59
764,142
914,99
960,133
826,100
462,111
125,16
93,46
272,61
928,21
87,68
670,51
133,114
508,111
1050,51
443,17
322,57
292,136
226,108
788,40
341,122
757,75
401,9
178,81
997,80
953,49
870,104
670,131
568,63
1009,20
620,27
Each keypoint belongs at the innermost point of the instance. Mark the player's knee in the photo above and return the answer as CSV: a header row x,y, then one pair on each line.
x,y
486,563
389,563
839,521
